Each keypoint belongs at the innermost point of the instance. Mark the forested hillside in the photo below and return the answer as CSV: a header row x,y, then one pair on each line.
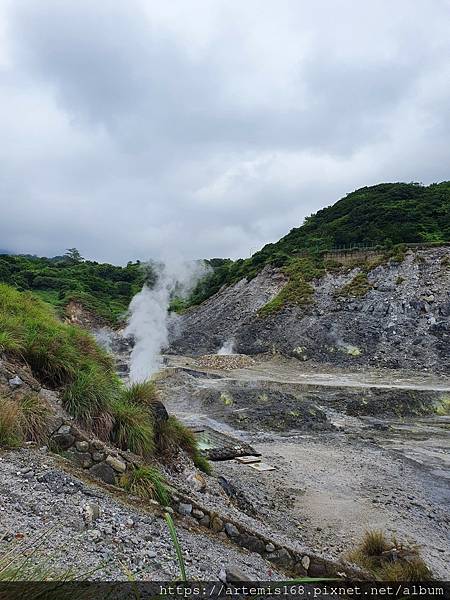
x,y
103,288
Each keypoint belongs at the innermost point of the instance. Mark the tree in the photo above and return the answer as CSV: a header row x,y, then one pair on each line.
x,y
74,255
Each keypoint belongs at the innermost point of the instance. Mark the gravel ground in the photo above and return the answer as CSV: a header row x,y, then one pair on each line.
x,y
41,501
329,487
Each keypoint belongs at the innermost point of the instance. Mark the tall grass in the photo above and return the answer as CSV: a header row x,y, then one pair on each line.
x,y
10,429
91,393
59,355
34,417
172,434
143,393
132,428
147,483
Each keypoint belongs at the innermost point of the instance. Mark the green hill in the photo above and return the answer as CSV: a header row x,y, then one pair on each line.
x,y
103,288
385,214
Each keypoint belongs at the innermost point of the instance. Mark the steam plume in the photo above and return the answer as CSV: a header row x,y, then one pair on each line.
x,y
149,317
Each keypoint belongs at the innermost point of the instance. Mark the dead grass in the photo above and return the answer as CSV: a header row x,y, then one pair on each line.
x,y
388,559
10,429
23,419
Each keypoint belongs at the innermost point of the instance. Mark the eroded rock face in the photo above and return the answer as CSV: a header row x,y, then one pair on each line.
x,y
403,321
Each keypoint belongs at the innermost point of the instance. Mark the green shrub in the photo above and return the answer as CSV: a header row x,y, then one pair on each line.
x,y
444,408
202,463
356,288
297,291
147,483
132,427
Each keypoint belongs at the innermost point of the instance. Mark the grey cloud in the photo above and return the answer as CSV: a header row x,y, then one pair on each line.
x,y
124,135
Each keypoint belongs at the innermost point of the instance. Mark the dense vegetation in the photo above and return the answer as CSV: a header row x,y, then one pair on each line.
x,y
104,289
67,358
387,214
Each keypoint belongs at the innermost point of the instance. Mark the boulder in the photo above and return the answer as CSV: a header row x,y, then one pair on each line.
x,y
62,441
104,472
117,464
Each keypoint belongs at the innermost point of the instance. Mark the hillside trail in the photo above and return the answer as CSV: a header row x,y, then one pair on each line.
x,y
328,487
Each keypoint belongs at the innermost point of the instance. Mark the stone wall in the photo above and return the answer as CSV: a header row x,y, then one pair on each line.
x,y
89,453
295,563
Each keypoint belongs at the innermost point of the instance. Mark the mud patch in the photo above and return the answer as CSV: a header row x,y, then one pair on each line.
x,y
261,408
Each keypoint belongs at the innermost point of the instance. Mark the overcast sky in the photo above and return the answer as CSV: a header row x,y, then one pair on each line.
x,y
203,128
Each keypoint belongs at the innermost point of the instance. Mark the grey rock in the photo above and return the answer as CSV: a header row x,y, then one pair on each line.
x,y
65,429
82,459
252,543
15,382
90,512
197,513
205,521
98,456
82,446
281,557
62,441
104,472
270,547
234,575
184,509
306,561
117,464
231,530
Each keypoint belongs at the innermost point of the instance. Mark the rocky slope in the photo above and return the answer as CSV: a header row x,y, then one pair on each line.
x,y
400,320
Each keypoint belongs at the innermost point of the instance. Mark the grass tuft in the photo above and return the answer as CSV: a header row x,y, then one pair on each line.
x,y
147,483
143,393
172,434
132,427
388,559
91,393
